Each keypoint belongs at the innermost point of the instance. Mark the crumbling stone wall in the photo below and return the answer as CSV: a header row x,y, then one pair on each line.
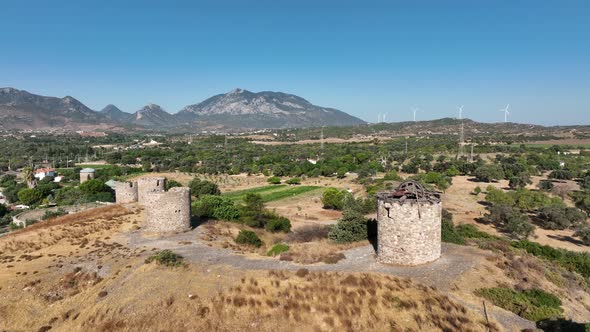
x,y
169,211
147,186
409,231
126,192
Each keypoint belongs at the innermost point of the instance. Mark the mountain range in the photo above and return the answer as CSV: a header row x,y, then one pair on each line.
x,y
236,110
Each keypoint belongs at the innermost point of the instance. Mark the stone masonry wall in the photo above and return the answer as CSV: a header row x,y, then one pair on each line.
x,y
169,211
126,192
86,176
147,186
409,233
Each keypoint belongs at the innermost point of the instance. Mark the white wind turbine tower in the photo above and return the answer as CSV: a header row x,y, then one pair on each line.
x,y
505,110
416,109
460,112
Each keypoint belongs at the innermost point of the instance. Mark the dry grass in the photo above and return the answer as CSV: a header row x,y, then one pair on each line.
x,y
73,229
313,301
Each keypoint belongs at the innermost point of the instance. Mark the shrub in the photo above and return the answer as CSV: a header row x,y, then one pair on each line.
x,y
584,235
560,217
392,176
532,304
167,258
489,173
333,198
511,221
561,174
248,238
448,232
53,214
351,227
274,180
172,184
545,185
278,224
294,181
477,190
277,249
471,232
441,181
216,207
574,261
203,187
497,196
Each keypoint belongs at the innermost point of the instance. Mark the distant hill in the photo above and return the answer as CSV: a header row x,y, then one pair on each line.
x,y
152,116
244,109
236,110
114,113
20,109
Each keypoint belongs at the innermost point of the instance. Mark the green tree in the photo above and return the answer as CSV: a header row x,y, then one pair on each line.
x,y
333,198
203,187
489,173
28,176
93,186
560,217
30,196
252,209
520,181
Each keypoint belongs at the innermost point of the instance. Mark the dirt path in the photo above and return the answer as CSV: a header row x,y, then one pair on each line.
x,y
455,261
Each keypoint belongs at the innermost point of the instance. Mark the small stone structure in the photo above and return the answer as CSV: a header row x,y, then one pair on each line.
x,y
148,185
166,211
87,174
409,225
169,211
126,192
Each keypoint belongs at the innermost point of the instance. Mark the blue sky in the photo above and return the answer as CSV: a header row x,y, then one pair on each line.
x,y
362,57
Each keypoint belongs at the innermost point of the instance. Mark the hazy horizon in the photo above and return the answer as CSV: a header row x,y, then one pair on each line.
x,y
365,59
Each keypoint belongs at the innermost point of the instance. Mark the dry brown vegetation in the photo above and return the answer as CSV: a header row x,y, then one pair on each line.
x,y
307,244
307,301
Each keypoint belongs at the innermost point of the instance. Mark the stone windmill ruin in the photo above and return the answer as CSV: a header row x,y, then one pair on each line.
x,y
409,225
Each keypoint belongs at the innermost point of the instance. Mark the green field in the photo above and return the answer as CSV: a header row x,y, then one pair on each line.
x,y
272,193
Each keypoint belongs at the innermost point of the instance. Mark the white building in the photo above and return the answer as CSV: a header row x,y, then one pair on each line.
x,y
41,173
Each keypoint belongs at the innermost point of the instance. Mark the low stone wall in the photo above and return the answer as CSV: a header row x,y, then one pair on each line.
x,y
36,215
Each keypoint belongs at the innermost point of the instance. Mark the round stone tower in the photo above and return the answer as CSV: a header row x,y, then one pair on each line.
x,y
169,211
409,225
148,185
126,192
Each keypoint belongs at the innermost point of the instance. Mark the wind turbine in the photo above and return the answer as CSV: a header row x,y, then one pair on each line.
x,y
460,112
416,109
505,110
